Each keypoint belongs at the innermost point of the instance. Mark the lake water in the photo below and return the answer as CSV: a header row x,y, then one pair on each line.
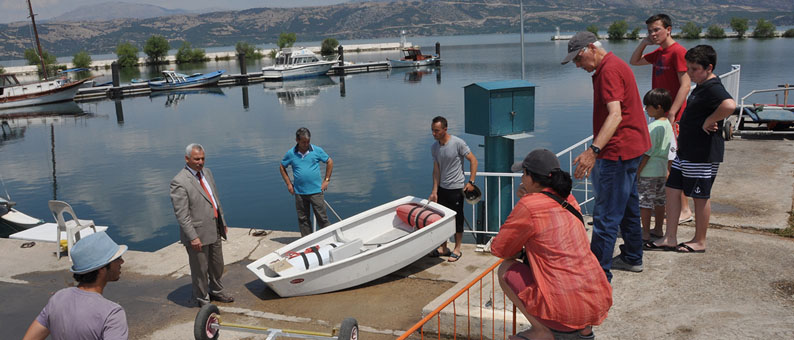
x,y
376,127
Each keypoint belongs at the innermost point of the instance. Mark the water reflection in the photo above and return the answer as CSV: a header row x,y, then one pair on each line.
x,y
299,92
415,74
174,97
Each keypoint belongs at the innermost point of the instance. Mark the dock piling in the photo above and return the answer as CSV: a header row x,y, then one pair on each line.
x,y
341,52
115,91
438,53
243,69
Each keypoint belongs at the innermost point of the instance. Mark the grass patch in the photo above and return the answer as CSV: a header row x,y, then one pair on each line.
x,y
789,231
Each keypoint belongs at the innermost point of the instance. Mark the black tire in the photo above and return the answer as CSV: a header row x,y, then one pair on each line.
x,y
727,129
207,315
348,330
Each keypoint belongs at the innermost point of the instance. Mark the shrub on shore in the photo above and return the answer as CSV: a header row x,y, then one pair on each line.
x,y
789,33
617,30
127,55
715,32
186,54
739,25
691,31
764,29
156,48
82,60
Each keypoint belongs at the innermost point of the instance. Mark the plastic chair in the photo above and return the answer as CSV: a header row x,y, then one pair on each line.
x,y
71,227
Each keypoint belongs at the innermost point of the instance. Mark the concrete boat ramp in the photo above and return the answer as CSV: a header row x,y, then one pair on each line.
x,y
742,287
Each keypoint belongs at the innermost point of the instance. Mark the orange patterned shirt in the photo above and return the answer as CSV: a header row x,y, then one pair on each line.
x,y
569,285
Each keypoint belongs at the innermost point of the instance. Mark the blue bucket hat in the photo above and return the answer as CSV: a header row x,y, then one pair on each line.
x,y
93,252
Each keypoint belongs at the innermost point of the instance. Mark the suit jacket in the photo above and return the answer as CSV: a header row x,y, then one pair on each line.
x,y
193,208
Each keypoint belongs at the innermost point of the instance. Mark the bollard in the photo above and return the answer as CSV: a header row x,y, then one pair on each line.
x,y
341,52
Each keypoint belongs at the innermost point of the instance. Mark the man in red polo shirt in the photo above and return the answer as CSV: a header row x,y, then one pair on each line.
x,y
620,137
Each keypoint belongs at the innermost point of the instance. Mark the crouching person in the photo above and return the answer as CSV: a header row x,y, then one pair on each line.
x,y
561,287
82,312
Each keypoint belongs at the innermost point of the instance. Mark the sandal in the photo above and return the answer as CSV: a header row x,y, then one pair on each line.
x,y
436,253
454,256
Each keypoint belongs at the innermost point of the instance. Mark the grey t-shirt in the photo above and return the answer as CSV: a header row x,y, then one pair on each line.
x,y
450,161
74,314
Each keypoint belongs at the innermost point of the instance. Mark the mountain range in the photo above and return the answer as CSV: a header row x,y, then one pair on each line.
x,y
380,19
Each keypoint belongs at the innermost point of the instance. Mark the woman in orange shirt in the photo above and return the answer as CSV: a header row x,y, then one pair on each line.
x,y
561,288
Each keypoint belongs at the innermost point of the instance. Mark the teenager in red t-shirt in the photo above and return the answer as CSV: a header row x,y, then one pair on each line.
x,y
669,73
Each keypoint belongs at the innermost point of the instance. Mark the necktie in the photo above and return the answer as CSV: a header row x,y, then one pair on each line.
x,y
198,174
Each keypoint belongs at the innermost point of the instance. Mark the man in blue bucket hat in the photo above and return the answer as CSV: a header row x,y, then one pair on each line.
x,y
82,312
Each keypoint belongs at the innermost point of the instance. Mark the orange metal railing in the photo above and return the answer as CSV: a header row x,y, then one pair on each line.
x,y
422,326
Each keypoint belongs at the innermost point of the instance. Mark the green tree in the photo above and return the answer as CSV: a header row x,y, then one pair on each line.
x,y
82,60
764,29
617,30
156,48
739,25
186,54
251,52
691,31
286,40
715,32
634,34
789,33
329,46
49,60
127,54
593,29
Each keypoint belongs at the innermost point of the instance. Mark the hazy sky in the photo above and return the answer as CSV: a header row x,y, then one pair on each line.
x,y
17,10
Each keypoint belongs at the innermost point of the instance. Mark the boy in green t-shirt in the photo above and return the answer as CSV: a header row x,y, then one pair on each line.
x,y
653,166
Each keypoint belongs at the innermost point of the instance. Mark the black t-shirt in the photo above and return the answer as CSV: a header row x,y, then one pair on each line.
x,y
694,144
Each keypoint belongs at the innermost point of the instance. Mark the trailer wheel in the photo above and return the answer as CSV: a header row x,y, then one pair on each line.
x,y
205,319
348,330
727,129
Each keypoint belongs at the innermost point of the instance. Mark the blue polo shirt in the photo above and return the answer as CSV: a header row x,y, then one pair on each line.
x,y
306,169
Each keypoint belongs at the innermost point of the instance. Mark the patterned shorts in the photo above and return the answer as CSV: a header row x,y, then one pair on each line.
x,y
651,190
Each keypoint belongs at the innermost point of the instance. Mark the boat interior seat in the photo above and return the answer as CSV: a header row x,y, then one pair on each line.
x,y
346,250
341,237
71,227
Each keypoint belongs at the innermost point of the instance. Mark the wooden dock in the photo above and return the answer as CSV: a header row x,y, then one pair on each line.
x,y
133,89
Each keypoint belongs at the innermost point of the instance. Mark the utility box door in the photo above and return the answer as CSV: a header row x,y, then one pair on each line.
x,y
499,108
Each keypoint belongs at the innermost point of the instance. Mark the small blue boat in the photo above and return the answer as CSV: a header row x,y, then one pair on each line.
x,y
172,80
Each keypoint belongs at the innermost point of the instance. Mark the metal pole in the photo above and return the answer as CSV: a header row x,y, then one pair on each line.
x,y
38,45
521,2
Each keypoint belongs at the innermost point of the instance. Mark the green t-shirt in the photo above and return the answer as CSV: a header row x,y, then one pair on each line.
x,y
661,135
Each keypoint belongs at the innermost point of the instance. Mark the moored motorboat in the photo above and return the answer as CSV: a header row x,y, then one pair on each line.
x,y
17,219
173,80
356,250
294,63
413,57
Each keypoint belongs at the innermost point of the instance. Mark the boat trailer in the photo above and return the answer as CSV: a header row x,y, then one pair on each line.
x,y
209,323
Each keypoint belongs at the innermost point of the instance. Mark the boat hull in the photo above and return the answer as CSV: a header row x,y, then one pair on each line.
x,y
412,63
297,71
208,79
388,245
62,93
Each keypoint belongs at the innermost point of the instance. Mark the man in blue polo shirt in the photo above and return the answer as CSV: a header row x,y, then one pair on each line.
x,y
307,185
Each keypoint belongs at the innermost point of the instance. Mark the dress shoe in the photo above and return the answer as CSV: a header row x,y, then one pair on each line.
x,y
221,297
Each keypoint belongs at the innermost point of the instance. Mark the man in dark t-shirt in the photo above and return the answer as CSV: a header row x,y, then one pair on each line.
x,y
700,149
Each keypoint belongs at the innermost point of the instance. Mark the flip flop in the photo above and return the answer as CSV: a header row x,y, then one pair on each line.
x,y
454,256
687,248
436,253
649,245
685,220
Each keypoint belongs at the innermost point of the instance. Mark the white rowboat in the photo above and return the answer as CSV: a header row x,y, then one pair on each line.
x,y
354,251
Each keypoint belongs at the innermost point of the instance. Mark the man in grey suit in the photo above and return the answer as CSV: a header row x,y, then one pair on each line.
x,y
201,225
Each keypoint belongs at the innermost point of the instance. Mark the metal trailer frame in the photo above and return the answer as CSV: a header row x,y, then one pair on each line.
x,y
209,323
735,123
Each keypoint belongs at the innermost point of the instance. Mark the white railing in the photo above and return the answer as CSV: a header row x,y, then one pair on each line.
x,y
730,80
582,189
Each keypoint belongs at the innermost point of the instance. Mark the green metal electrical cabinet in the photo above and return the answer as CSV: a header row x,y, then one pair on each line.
x,y
499,108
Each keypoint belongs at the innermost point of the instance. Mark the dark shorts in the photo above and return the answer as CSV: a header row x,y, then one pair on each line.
x,y
518,277
694,179
453,199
